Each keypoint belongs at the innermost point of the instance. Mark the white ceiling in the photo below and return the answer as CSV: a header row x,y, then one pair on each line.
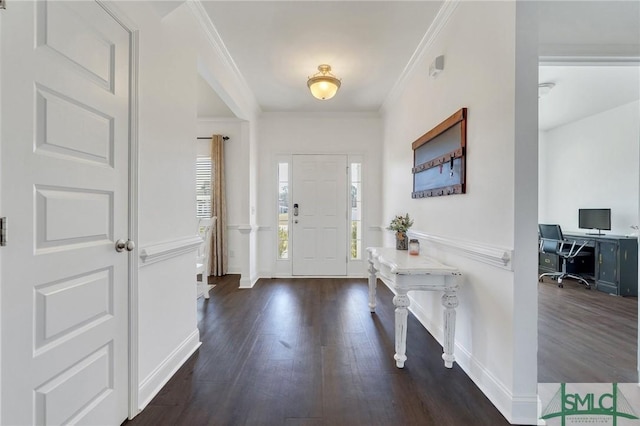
x,y
277,45
581,91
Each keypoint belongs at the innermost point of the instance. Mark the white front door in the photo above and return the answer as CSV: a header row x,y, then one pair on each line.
x,y
64,157
319,231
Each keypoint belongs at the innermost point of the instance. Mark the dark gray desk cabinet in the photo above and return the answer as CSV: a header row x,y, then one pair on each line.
x,y
616,262
548,262
617,266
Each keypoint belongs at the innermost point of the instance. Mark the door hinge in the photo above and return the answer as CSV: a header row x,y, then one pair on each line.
x,y
3,231
3,4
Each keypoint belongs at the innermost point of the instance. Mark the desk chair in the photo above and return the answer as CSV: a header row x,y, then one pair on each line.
x,y
552,241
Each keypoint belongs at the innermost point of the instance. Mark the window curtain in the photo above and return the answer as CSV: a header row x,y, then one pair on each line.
x,y
218,250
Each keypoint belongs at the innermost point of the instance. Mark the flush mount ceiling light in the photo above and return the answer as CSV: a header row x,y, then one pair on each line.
x,y
323,84
545,88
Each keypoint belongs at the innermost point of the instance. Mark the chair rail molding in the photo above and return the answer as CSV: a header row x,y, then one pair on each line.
x,y
243,228
491,255
159,252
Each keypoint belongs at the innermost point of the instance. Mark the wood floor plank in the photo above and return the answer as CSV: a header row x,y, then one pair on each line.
x,y
309,352
586,336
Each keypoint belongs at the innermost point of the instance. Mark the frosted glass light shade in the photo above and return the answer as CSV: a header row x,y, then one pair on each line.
x,y
323,85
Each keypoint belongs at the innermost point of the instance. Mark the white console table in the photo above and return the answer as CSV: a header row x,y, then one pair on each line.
x,y
403,273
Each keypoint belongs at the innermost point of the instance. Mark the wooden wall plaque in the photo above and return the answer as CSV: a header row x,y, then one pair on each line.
x,y
439,158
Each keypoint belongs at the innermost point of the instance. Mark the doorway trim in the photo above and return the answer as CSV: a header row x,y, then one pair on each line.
x,y
133,309
283,268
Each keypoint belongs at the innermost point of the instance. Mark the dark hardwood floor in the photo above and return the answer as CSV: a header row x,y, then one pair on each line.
x,y
309,352
586,336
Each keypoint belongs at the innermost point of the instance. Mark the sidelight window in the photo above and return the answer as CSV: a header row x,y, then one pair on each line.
x,y
283,210
356,210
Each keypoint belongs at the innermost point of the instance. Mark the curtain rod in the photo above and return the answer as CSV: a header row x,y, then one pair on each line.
x,y
224,138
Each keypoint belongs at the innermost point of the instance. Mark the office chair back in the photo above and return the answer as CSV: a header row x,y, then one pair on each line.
x,y
552,241
550,232
550,238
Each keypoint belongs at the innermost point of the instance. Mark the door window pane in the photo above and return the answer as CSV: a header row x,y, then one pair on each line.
x,y
356,211
283,211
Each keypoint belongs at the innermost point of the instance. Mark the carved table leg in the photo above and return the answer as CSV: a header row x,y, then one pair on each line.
x,y
450,302
372,288
401,302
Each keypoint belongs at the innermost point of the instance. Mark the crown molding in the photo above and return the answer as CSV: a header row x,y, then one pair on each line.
x,y
439,22
234,120
589,54
565,60
351,115
221,52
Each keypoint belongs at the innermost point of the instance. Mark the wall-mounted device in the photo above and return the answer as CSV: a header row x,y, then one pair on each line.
x,y
436,66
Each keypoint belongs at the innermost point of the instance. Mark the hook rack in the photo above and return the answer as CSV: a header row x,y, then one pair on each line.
x,y
445,143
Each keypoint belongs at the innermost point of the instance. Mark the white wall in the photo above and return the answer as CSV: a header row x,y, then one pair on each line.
x,y
173,49
592,163
478,44
167,110
338,133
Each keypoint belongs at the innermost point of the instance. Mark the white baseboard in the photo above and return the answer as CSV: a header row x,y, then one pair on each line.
x,y
254,279
265,274
516,409
152,384
314,276
246,282
269,275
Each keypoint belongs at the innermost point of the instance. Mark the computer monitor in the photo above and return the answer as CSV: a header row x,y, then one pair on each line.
x,y
599,219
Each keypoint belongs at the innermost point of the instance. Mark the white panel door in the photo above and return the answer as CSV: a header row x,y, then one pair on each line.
x,y
319,231
64,158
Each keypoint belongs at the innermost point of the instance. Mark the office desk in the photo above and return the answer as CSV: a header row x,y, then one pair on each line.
x,y
613,267
403,273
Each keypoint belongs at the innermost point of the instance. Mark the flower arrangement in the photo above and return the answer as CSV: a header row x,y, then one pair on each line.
x,y
400,223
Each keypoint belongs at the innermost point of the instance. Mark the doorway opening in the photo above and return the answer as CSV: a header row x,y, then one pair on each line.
x,y
589,159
